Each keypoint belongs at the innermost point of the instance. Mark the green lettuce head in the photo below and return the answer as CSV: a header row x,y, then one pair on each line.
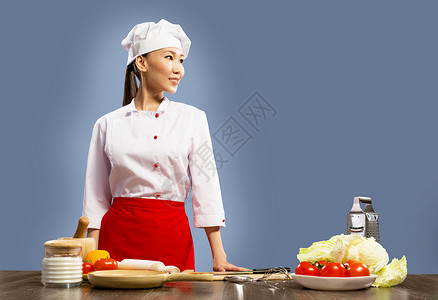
x,y
365,250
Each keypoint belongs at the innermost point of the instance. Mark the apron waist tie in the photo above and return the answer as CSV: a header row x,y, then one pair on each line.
x,y
147,203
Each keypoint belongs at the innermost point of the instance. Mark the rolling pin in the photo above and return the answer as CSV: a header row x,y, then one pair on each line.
x,y
140,264
88,244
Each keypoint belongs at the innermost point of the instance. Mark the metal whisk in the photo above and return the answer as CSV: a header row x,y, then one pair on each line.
x,y
266,279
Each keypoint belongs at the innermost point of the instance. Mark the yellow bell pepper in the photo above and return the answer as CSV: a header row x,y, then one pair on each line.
x,y
95,255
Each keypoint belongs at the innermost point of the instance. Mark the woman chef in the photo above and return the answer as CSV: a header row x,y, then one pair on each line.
x,y
145,156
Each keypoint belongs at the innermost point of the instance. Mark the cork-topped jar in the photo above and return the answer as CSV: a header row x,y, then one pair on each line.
x,y
62,263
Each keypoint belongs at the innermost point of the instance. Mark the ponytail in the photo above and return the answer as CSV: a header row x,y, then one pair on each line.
x,y
130,82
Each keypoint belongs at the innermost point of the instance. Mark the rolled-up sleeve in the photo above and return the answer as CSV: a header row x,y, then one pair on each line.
x,y
207,203
97,193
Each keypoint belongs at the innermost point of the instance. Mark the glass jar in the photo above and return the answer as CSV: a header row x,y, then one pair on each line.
x,y
62,264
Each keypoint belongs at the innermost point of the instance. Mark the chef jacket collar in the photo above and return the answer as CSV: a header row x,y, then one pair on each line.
x,y
161,108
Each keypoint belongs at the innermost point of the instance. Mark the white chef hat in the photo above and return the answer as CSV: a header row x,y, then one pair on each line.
x,y
147,37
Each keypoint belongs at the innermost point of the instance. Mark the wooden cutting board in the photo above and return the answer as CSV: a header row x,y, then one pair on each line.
x,y
140,279
217,276
220,276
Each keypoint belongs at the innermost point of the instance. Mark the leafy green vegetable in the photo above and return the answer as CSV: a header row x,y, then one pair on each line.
x,y
392,274
358,248
318,251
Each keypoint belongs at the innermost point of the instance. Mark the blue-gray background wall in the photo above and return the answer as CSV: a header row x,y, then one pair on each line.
x,y
353,85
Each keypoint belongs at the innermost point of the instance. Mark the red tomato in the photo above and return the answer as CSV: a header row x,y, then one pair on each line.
x,y
333,269
357,269
306,268
350,262
105,264
87,267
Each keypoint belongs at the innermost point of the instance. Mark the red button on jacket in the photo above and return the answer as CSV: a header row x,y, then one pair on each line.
x,y
156,165
157,115
155,137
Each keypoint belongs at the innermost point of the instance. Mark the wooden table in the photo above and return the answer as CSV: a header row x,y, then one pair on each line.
x,y
27,285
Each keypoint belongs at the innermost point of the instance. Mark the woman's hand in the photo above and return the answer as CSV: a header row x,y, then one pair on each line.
x,y
223,265
220,263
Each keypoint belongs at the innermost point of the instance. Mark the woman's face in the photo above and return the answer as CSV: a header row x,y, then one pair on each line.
x,y
164,70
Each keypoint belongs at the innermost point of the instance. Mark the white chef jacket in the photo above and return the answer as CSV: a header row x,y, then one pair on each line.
x,y
153,154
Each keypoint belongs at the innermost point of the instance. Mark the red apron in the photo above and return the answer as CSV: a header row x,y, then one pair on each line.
x,y
149,229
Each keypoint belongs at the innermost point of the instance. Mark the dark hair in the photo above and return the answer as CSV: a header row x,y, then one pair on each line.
x,y
130,82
